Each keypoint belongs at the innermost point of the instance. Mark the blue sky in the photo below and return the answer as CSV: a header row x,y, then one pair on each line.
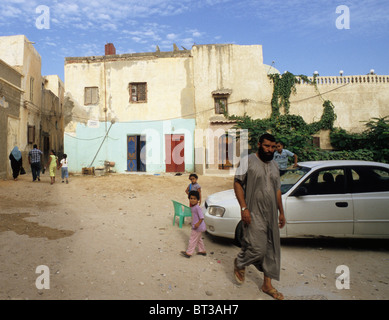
x,y
299,36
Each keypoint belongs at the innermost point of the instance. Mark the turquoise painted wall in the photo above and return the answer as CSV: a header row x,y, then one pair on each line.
x,y
82,146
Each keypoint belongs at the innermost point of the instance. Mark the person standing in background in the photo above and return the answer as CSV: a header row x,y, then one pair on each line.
x,y
198,227
281,156
64,168
53,165
34,159
193,186
16,162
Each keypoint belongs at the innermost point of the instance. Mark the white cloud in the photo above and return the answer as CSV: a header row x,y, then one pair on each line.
x,y
76,14
137,39
7,12
103,16
109,27
196,34
171,36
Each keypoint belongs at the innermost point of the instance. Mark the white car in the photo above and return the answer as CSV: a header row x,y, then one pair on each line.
x,y
320,198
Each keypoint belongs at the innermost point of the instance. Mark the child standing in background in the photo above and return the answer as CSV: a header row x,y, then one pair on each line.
x,y
64,168
53,165
198,227
281,157
194,186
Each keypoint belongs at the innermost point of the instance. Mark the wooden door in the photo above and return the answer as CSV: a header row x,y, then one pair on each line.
x,y
225,152
136,153
175,152
131,153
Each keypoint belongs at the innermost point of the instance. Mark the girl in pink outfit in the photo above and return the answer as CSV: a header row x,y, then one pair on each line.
x,y
198,227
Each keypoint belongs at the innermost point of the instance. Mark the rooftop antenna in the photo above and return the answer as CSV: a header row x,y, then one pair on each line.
x,y
272,64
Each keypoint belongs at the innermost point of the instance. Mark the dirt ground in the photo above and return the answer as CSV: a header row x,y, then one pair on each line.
x,y
112,237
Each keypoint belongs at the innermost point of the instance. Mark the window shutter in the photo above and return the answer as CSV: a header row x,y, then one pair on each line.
x,y
142,92
87,96
94,95
91,95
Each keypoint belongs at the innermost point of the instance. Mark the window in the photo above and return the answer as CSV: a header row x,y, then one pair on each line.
x,y
220,104
326,181
31,89
138,91
369,179
91,95
316,141
31,134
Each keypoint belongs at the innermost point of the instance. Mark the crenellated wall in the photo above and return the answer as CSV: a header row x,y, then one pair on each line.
x,y
320,80
356,99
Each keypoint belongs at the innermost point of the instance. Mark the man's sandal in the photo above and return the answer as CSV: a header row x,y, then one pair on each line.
x,y
239,273
274,294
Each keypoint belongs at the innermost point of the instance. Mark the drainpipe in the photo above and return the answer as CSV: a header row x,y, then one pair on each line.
x,y
105,96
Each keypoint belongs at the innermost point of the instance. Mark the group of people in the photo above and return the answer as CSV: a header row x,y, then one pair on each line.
x,y
35,161
257,188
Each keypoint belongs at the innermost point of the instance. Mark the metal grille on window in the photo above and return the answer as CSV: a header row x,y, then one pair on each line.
x,y
138,92
220,105
142,92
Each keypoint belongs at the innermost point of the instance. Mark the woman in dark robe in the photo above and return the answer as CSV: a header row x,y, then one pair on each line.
x,y
16,162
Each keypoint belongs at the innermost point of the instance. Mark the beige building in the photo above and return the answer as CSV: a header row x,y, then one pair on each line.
x,y
39,119
234,76
199,84
10,103
147,98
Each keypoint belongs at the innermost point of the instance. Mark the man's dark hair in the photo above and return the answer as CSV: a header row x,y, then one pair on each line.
x,y
195,194
35,146
267,136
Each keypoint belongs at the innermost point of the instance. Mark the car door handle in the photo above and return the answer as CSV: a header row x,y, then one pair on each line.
x,y
341,204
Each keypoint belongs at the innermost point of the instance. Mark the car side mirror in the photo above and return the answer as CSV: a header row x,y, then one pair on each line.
x,y
301,191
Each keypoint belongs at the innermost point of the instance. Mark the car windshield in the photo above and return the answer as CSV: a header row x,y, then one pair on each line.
x,y
290,178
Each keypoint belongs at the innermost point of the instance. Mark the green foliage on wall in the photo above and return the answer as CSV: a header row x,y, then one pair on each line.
x,y
296,134
375,139
283,86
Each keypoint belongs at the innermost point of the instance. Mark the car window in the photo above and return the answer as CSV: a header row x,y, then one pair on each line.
x,y
326,181
290,178
369,179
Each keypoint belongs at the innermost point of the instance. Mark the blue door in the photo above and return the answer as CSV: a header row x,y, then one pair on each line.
x,y
131,153
136,153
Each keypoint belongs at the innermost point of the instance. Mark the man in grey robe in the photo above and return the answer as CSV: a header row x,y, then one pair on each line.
x,y
257,189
